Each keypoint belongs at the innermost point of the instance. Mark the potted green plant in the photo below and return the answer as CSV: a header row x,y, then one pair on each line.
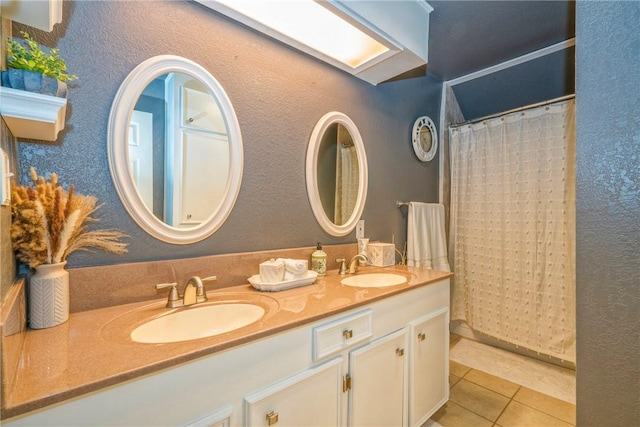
x,y
32,69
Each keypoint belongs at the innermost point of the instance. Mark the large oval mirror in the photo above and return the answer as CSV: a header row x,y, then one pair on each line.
x,y
175,149
336,173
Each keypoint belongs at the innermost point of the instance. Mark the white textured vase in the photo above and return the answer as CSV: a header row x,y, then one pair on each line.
x,y
49,296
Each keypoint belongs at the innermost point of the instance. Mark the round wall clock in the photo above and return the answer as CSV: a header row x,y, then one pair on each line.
x,y
424,138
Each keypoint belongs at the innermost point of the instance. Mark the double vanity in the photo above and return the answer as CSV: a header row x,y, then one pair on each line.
x,y
370,352
364,349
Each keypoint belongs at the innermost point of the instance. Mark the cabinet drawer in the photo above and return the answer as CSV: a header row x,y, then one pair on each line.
x,y
330,338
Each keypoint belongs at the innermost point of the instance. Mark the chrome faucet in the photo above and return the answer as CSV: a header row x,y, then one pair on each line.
x,y
193,292
353,263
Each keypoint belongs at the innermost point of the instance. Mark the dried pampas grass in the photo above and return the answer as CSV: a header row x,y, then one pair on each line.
x,y
48,223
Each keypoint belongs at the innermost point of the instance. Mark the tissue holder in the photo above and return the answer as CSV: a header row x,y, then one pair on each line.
x,y
272,271
381,254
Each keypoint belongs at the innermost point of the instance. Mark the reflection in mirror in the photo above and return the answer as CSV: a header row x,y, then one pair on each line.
x,y
425,139
336,174
175,149
178,150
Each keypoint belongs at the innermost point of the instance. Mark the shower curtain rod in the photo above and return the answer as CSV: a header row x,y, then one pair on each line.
x,y
515,110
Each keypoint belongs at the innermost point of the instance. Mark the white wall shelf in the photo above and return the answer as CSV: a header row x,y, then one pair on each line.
x,y
31,115
38,14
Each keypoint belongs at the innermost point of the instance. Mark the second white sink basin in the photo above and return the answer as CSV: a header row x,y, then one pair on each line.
x,y
374,280
197,322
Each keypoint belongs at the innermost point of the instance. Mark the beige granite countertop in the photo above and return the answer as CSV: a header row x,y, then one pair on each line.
x,y
93,349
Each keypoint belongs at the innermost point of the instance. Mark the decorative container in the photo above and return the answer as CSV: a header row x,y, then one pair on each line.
x,y
49,296
32,81
381,254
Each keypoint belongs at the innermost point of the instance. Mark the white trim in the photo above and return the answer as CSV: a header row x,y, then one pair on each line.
x,y
312,174
426,5
218,418
118,155
484,72
421,123
515,61
443,102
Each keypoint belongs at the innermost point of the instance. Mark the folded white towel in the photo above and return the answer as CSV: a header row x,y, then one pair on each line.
x,y
294,268
272,271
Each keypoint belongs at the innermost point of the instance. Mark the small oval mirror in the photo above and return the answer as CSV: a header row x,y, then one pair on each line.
x,y
175,149
424,138
336,173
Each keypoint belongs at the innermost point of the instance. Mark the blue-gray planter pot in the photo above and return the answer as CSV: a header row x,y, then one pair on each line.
x,y
34,82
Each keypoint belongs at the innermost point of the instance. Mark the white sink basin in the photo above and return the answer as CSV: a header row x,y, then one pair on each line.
x,y
197,322
374,280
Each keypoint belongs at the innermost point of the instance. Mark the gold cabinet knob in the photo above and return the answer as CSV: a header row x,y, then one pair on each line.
x,y
400,352
272,418
347,334
421,336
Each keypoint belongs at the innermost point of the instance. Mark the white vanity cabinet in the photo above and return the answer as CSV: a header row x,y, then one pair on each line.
x,y
377,374
295,377
428,365
309,398
402,378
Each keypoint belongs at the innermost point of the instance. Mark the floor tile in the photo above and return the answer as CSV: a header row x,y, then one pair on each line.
x,y
453,339
497,384
453,379
521,415
458,369
479,400
547,404
453,415
532,373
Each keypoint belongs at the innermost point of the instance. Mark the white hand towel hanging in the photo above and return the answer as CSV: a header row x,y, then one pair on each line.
x,y
426,241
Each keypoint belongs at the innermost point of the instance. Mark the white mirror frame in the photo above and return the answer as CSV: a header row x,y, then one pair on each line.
x,y
424,122
312,174
117,148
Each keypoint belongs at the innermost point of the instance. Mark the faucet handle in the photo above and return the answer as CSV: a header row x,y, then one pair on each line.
x,y
343,265
201,295
172,300
165,285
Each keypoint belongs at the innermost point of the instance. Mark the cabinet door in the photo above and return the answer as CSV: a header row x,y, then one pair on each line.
x,y
428,366
219,418
377,373
310,398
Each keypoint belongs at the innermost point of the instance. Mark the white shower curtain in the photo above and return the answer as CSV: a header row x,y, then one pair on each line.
x,y
347,173
513,228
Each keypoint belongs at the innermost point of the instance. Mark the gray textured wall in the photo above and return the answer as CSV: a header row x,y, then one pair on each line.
x,y
608,213
278,95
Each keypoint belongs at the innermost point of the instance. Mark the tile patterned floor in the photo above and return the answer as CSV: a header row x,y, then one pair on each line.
x,y
535,374
479,399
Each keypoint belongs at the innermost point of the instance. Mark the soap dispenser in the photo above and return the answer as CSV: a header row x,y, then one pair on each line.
x,y
319,261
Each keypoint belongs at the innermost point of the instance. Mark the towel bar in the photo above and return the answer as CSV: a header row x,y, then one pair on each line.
x,y
400,204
